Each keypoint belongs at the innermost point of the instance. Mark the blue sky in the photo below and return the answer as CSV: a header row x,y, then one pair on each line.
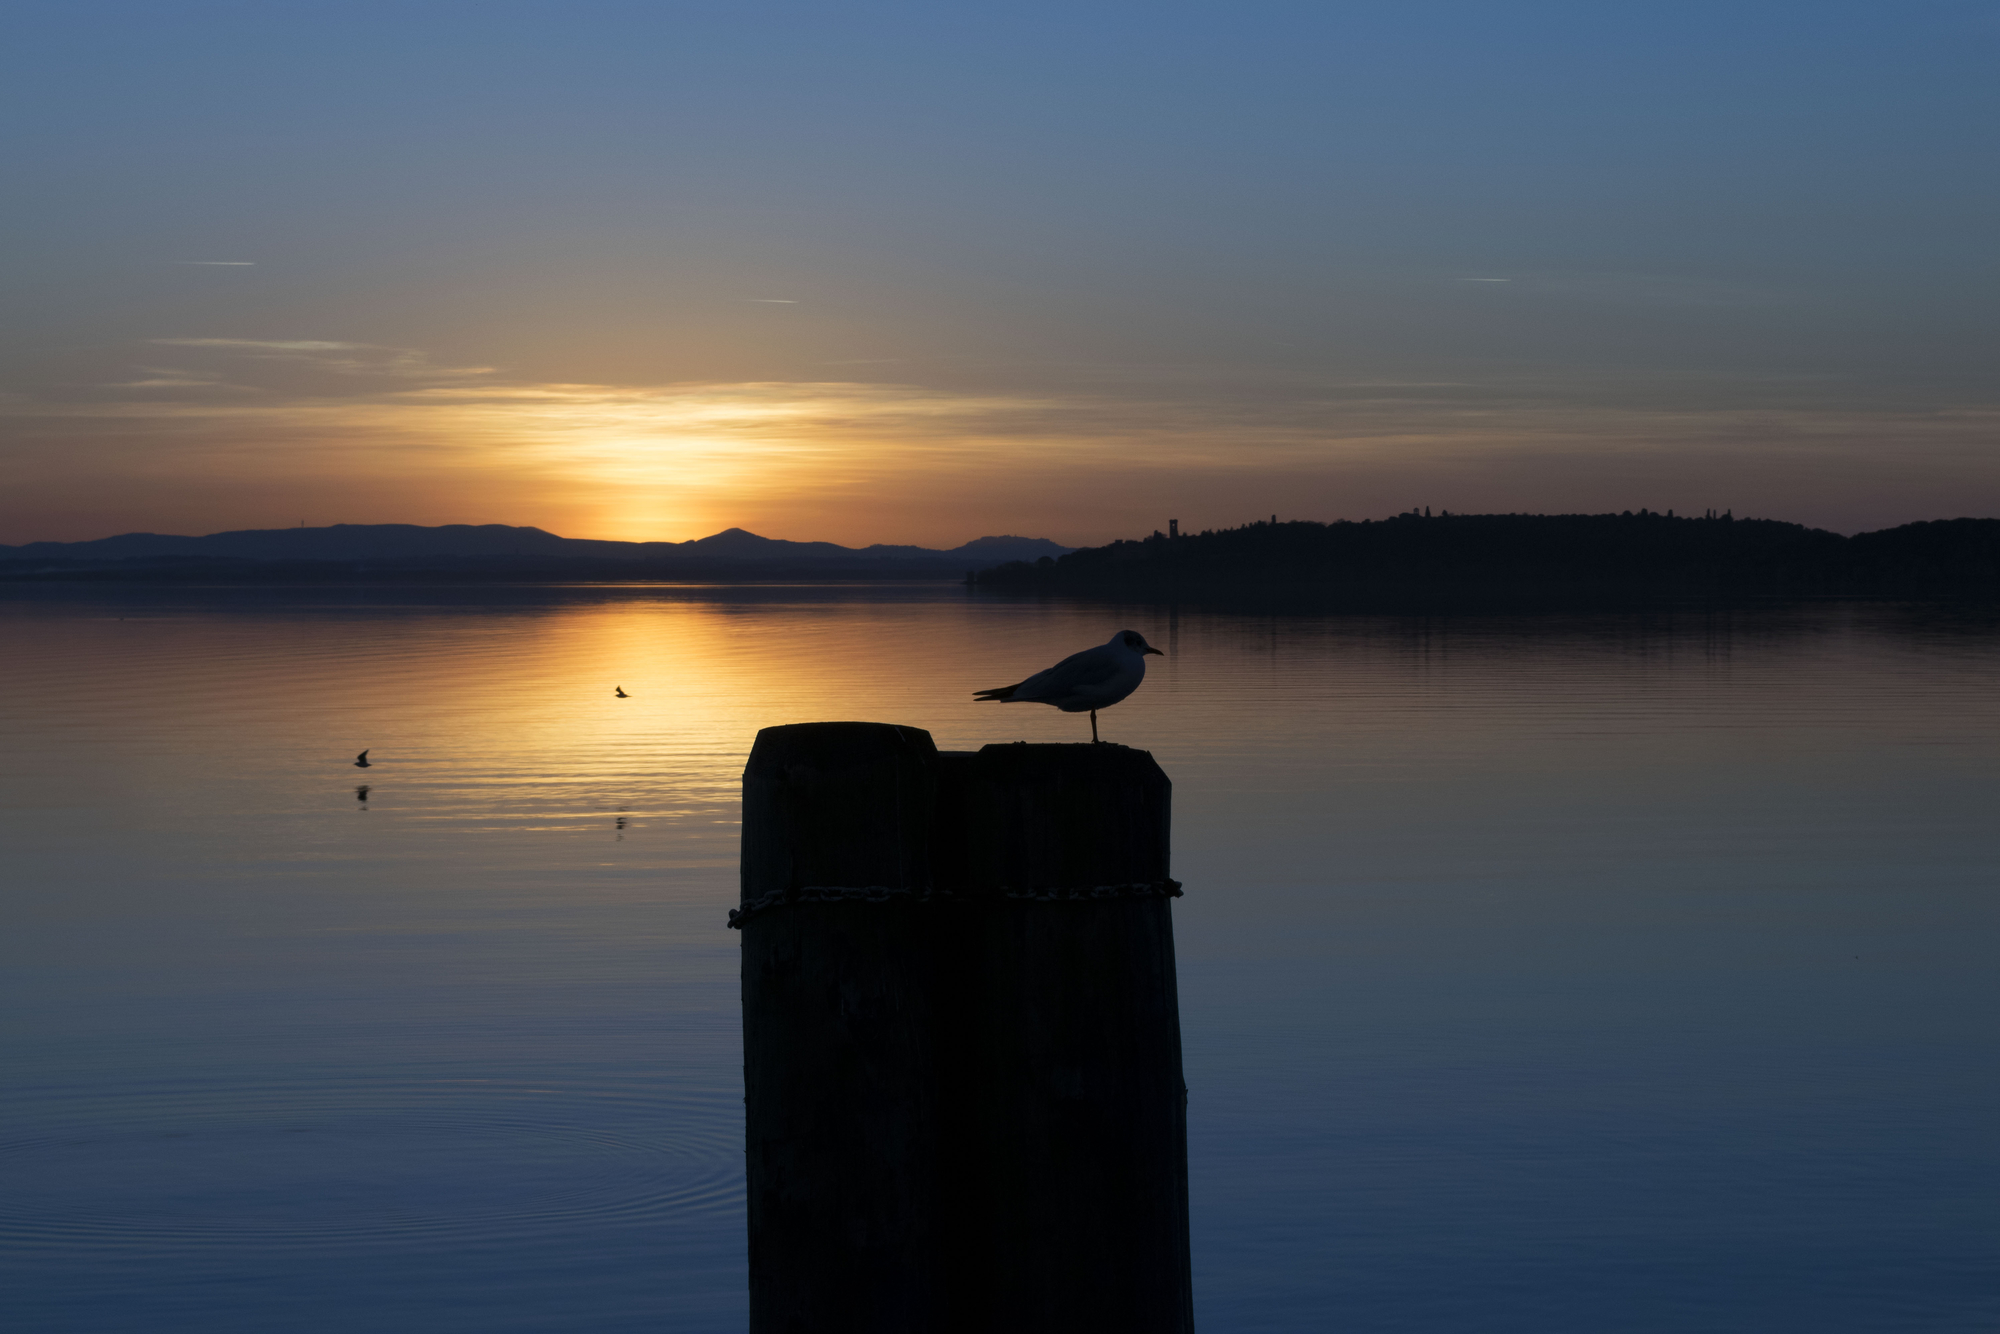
x,y
900,272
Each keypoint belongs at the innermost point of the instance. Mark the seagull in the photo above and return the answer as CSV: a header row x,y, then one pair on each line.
x,y
620,692
1094,679
361,760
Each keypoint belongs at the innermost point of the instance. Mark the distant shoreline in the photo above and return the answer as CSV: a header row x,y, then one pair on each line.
x,y
1411,563
1496,562
467,572
486,554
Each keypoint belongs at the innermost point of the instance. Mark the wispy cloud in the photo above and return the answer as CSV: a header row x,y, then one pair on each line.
x,y
178,382
333,357
174,378
287,344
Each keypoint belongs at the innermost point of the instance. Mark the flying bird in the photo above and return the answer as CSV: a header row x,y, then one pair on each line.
x,y
1091,680
361,760
620,692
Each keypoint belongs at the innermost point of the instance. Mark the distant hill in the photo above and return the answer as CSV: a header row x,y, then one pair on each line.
x,y
489,551
1415,561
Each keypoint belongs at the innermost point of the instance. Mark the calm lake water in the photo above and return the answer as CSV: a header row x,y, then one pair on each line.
x,y
1537,974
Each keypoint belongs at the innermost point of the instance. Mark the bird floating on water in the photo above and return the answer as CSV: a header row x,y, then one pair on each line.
x,y
1091,680
361,760
620,692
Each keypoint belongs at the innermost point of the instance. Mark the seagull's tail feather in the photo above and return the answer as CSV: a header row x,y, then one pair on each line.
x,y
1003,694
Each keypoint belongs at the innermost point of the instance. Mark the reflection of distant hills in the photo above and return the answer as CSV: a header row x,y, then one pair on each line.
x,y
1416,562
490,552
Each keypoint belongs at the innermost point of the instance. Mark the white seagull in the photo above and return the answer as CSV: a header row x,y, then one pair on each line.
x,y
1094,679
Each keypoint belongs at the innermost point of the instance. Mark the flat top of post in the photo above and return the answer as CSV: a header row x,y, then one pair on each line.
x,y
837,744
1094,761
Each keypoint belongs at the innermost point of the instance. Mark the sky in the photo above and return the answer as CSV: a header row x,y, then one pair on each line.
x,y
924,272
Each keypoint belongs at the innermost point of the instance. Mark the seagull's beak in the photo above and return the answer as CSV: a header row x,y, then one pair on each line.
x,y
1150,649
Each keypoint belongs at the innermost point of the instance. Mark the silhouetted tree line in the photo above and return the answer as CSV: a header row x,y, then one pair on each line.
x,y
1420,560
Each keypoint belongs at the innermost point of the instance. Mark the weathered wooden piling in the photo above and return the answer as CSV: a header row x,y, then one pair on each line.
x,y
961,1038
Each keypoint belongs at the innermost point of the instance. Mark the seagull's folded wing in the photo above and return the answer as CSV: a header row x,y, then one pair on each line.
x,y
1092,669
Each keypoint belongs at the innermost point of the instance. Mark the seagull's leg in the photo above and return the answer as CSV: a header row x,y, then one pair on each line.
x,y
1093,727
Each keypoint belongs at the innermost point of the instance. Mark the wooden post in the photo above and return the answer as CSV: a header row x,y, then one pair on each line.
x,y
961,1038
840,1111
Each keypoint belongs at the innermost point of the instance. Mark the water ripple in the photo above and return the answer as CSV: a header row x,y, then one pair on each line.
x,y
382,1163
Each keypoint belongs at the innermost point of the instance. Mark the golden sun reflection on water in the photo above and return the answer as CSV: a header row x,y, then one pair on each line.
x,y
500,711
